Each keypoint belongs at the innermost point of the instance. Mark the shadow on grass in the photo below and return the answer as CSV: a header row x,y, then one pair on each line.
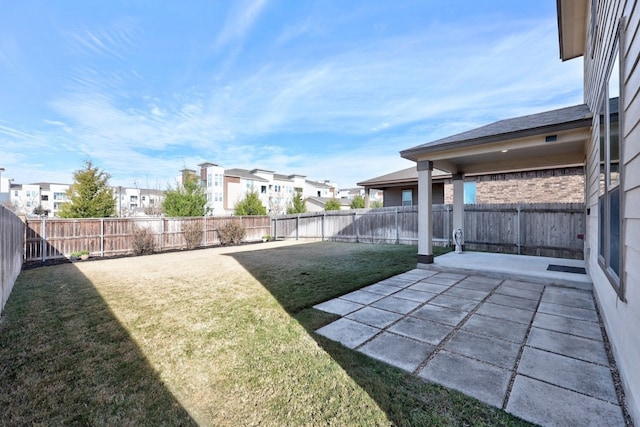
x,y
65,359
313,274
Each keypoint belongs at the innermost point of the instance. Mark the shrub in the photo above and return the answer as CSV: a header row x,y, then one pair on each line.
x,y
332,205
232,232
193,234
143,241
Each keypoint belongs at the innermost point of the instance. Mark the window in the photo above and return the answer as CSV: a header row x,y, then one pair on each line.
x,y
407,197
59,196
44,197
209,180
217,180
470,192
144,198
609,213
217,197
133,199
263,189
276,188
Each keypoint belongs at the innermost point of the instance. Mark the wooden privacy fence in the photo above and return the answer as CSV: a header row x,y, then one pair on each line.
x,y
549,229
11,246
58,238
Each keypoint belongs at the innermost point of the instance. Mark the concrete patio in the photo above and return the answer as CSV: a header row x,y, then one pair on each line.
x,y
504,330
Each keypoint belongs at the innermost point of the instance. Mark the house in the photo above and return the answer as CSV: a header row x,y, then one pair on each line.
x,y
317,204
555,185
226,187
603,134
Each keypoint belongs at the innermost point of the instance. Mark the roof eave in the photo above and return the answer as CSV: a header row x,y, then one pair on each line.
x,y
415,153
572,27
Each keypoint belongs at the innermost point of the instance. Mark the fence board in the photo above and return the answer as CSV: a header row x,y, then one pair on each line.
x,y
59,238
533,229
12,235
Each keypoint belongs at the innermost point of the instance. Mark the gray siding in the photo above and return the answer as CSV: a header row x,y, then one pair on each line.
x,y
621,318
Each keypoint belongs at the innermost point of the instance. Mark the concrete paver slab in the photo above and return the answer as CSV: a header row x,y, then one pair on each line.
x,y
477,379
374,317
420,272
397,305
472,294
361,297
519,292
455,302
429,287
421,330
508,313
510,301
568,345
439,280
500,353
497,328
550,405
450,275
566,311
577,375
472,282
571,297
338,306
413,295
348,332
379,288
567,325
523,285
483,279
439,314
398,351
398,282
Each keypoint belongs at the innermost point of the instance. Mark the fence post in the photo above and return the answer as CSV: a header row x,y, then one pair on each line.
x,y
518,237
447,223
204,229
102,237
161,233
397,227
355,225
275,228
297,226
43,238
323,216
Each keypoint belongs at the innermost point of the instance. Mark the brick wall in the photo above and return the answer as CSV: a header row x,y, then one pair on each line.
x,y
564,185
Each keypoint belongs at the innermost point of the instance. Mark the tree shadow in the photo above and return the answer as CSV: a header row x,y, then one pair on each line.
x,y
66,359
406,399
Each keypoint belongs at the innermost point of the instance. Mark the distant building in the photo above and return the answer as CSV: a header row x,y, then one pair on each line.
x,y
226,187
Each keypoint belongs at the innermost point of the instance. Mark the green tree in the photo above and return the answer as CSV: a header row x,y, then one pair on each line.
x,y
187,199
376,204
332,205
357,202
297,204
90,195
250,205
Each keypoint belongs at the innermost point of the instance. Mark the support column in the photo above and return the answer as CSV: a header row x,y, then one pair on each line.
x,y
367,197
458,203
425,212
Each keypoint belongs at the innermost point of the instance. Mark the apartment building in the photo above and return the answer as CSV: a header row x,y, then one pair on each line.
x,y
226,187
44,198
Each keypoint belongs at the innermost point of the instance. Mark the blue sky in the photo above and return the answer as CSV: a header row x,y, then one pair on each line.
x,y
329,89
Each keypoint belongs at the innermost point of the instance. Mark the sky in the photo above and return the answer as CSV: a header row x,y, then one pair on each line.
x,y
330,89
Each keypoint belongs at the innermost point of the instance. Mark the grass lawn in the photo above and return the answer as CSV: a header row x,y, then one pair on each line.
x,y
211,337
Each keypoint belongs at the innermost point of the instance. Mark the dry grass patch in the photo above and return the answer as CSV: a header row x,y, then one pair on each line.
x,y
213,337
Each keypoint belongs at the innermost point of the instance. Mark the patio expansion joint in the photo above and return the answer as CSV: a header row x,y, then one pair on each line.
x,y
514,373
457,328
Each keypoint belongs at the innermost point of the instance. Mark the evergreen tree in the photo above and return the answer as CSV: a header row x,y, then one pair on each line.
x,y
186,200
358,202
90,195
332,205
297,204
250,205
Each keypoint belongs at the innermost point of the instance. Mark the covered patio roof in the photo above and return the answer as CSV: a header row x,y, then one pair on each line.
x,y
549,139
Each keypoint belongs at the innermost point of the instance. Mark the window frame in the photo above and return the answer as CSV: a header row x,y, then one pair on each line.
x,y
402,200
607,191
